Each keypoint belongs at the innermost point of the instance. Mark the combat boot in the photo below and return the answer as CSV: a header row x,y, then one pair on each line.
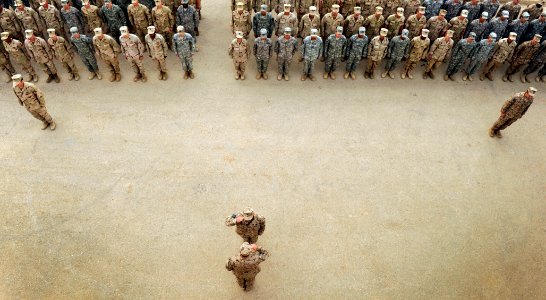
x,y
303,77
333,76
160,77
425,75
346,75
410,76
91,76
446,77
365,75
465,77
391,75
430,74
279,77
259,76
325,75
489,76
236,76
99,75
539,79
70,76
509,77
76,76
118,77
45,125
112,77
482,77
526,79
286,78
52,125
491,132
403,75
143,78
186,75
49,78
56,78
264,76
165,76
242,76
498,134
192,75
137,77
353,76
451,78
385,74
469,78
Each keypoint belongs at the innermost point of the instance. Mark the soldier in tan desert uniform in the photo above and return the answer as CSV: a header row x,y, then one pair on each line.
x,y
439,53
157,49
353,23
18,52
63,52
512,110
91,14
28,18
522,55
239,51
309,21
108,49
503,51
140,18
377,50
249,224
330,22
416,22
163,22
245,266
133,50
286,19
38,49
5,63
241,20
374,22
33,100
418,48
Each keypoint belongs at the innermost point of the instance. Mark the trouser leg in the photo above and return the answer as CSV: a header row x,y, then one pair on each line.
x,y
42,115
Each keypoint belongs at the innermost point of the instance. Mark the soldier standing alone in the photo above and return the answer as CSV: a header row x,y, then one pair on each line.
x,y
512,110
245,266
249,224
33,100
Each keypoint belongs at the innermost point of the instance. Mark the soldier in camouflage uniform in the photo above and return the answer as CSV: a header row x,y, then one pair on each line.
x,y
309,21
390,6
157,50
38,49
353,22
491,7
51,17
16,50
247,4
439,52
249,224
133,50
535,27
114,17
522,56
460,53
163,21
452,7
184,47
377,50
63,52
512,7
394,22
369,7
458,25
498,25
348,6
356,50
28,18
330,22
503,51
302,7
239,51
245,266
91,15
33,100
9,22
311,48
415,23
262,51
418,49
432,7
374,22
535,10
480,55
263,20
241,20
473,7
285,48
437,25
512,110
187,16
398,49
334,50
519,26
286,19
84,46
537,62
5,63
108,49
71,16
410,7
140,18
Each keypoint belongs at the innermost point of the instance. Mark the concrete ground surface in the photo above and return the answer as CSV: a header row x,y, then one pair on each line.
x,y
372,189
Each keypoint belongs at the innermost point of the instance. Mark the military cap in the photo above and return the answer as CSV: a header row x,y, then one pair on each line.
x,y
107,1
245,249
74,29
314,31
384,32
513,35
400,11
472,35
422,9
339,29
357,9
543,14
449,33
64,1
185,1
464,13
312,8
335,7
287,6
379,9
263,31
17,77
443,12
18,2
405,32
485,15
4,35
525,15
531,90
51,31
362,30
97,30
263,7
29,33
424,32
538,36
239,34
85,2
287,30
123,30
248,213
505,13
180,28
151,29
493,35
240,4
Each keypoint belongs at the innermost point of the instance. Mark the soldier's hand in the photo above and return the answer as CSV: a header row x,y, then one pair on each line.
x,y
239,219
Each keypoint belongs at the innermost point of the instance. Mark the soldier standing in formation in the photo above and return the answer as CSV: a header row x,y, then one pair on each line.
x,y
16,50
439,52
71,16
33,100
10,23
398,49
91,15
503,51
108,49
241,20
498,25
512,7
415,23
519,26
437,25
133,50
184,47
239,51
285,48
263,20
394,22
377,50
480,55
353,22
84,46
28,17
356,50
187,16
5,63
522,55
418,49
458,25
51,17
38,49
140,18
157,50
284,20
460,53
330,22
374,22
512,110
263,48
334,51
245,266
309,21
114,17
249,225
311,49
535,27
63,52
163,21
537,62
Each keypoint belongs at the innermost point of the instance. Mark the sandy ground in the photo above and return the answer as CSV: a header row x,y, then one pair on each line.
x,y
383,189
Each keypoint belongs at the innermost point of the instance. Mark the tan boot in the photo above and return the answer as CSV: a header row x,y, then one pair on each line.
x,y
410,76
353,76
391,75
313,78
333,76
45,125
52,125
465,77
325,75
498,134
286,78
143,78
264,76
469,78
76,76
236,75
192,75
279,77
446,77
403,75
165,76
259,76
384,74
112,77
186,75
346,75
482,77
70,76
137,77
491,132
91,76
160,76
303,77
99,75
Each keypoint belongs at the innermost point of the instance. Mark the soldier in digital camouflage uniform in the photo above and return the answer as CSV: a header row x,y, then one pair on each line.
x,y
437,25
187,16
394,22
140,18
334,50
133,50
63,52
353,22
377,50
263,47
51,17
536,62
157,50
374,22
241,20
71,16
84,46
28,18
480,55
18,52
263,20
460,53
458,25
356,50
239,51
302,7
309,21
491,7
108,49
453,7
513,8
536,26
286,19
398,49
418,49
5,63
503,51
114,17
519,26
498,25
473,7
512,110
522,56
245,266
432,7
163,22
416,22
330,22
38,49
33,100
184,47
285,48
311,49
9,22
91,15
439,52
249,224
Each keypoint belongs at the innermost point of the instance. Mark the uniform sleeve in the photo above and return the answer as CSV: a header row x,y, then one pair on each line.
x,y
121,16
261,220
507,105
195,18
230,221
39,96
229,264
115,45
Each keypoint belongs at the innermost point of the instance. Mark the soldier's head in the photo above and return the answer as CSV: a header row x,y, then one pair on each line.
x,y
335,10
287,32
536,39
240,7
492,37
421,11
74,32
524,17
512,36
542,16
86,3
442,14
44,4
181,30
424,33
65,4
314,33
405,33
357,11
135,2
471,37
108,3
239,36
124,31
248,214
185,3
19,4
484,17
245,249
29,34
263,33
312,11
378,11
51,33
158,3
1,6
287,8
98,32
17,80
383,33
449,35
361,31
263,9
151,31
339,31
504,15
530,93
464,14
399,12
